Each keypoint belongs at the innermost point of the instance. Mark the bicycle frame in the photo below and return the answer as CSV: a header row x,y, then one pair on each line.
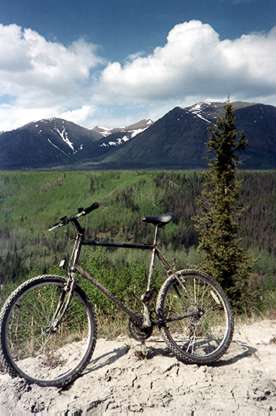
x,y
74,266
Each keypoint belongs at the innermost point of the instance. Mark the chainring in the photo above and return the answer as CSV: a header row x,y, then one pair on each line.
x,y
137,332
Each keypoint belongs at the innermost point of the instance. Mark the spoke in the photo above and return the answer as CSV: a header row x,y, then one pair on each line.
x,y
30,335
197,313
181,283
31,306
44,344
208,299
195,291
214,308
205,289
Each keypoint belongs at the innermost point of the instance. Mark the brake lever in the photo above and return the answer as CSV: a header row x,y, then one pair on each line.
x,y
55,226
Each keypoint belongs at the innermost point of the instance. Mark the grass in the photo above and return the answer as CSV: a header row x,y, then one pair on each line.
x,y
31,201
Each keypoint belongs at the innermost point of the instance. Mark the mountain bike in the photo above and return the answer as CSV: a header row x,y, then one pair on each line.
x,y
48,325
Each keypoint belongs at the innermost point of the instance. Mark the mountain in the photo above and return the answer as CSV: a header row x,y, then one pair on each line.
x,y
46,143
118,136
179,139
105,131
57,142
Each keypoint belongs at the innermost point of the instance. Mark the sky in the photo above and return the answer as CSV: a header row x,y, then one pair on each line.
x,y
113,62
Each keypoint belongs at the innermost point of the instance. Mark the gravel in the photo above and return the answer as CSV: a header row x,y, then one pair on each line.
x,y
127,378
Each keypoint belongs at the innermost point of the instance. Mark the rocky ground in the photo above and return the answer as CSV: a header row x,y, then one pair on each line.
x,y
126,379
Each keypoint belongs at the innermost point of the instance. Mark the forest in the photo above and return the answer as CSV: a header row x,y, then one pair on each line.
x,y
31,201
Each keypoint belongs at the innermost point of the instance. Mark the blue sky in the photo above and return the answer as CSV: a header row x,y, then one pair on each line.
x,y
112,62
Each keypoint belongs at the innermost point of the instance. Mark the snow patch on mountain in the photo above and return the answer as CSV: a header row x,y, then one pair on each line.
x,y
198,109
115,142
128,133
138,131
64,136
103,131
122,140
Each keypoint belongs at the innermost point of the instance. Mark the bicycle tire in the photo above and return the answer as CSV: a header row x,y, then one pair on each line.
x,y
9,354
176,340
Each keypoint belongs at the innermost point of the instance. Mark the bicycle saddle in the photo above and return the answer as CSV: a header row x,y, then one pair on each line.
x,y
159,220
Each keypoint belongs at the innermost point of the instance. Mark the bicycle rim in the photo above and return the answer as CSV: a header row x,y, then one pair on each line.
x,y
205,331
37,351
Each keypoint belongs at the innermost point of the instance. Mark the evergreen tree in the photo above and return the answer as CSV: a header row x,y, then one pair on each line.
x,y
219,211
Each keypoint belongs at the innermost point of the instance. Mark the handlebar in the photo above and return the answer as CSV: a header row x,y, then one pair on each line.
x,y
87,210
81,212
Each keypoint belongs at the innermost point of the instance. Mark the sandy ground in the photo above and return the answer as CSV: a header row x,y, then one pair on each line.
x,y
118,381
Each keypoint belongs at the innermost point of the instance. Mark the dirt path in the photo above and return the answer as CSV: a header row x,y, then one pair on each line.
x,y
119,382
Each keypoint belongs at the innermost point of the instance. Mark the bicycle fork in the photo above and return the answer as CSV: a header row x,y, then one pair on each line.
x,y
66,294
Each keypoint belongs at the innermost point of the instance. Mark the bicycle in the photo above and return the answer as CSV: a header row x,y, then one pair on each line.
x,y
48,325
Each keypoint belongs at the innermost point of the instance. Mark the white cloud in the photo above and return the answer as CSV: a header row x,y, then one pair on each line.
x,y
195,62
78,115
43,77
28,56
40,78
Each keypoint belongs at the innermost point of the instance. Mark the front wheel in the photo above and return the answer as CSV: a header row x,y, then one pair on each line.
x,y
37,346
195,317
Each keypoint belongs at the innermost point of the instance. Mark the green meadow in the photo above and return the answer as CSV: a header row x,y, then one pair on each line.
x,y
31,201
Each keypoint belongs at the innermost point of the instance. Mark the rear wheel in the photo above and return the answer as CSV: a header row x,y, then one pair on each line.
x,y
36,348
195,317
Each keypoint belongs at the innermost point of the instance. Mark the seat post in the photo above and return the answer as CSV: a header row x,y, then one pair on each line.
x,y
152,257
155,235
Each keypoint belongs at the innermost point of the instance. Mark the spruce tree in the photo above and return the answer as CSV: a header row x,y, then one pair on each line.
x,y
219,210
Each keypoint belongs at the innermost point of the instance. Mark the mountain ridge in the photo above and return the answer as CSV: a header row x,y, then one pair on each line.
x,y
176,140
179,138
